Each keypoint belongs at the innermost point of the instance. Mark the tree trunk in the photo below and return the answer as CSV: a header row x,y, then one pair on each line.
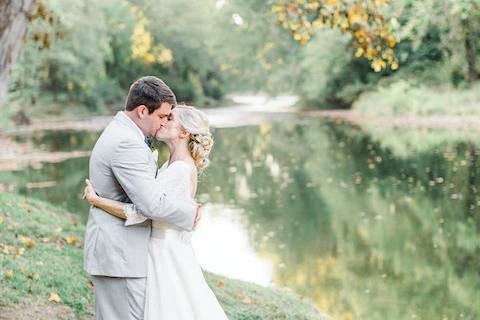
x,y
13,24
471,52
471,60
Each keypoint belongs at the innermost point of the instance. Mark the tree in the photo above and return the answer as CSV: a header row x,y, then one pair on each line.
x,y
13,24
372,33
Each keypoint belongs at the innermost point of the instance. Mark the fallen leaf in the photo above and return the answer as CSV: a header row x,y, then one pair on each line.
x,y
31,244
54,297
90,285
71,240
7,249
247,300
20,251
9,274
23,239
221,283
33,276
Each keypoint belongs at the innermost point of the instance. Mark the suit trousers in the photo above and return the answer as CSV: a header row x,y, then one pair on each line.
x,y
119,298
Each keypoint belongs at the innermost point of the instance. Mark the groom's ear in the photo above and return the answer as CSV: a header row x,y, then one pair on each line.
x,y
142,111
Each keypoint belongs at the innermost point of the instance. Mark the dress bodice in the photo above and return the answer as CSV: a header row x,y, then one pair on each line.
x,y
176,178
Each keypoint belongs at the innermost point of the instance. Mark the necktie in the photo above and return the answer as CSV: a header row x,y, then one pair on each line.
x,y
148,141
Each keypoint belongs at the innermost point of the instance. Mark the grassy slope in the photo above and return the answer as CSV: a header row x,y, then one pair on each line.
x,y
41,254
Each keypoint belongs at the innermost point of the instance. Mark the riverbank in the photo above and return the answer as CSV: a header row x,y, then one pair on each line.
x,y
42,277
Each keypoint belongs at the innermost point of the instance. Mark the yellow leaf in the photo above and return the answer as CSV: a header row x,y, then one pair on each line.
x,y
391,42
221,283
71,240
9,274
359,52
54,297
23,239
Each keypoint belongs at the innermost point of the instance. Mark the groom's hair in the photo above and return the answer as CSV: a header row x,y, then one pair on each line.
x,y
151,92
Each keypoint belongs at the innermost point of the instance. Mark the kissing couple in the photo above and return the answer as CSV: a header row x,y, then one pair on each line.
x,y
137,248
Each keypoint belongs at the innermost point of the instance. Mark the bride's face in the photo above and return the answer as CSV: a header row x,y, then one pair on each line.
x,y
171,130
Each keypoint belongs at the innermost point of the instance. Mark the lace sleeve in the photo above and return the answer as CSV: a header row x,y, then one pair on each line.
x,y
132,214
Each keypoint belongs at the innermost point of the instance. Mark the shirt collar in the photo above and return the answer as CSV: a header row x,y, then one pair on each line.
x,y
127,118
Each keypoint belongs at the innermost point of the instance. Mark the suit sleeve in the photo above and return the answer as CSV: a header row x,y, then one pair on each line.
x,y
131,167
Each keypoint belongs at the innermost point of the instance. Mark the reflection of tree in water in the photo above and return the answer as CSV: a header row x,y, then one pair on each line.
x,y
364,233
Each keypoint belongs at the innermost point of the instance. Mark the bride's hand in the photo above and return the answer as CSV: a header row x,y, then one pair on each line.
x,y
89,193
198,216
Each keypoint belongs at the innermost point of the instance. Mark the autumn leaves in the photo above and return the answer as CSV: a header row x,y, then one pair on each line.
x,y
373,35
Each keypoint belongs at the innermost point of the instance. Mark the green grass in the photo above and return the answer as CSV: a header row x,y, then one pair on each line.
x,y
404,98
53,264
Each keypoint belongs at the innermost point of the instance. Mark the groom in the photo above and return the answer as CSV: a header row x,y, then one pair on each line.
x,y
123,168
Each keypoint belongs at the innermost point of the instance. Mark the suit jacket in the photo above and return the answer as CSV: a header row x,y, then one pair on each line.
x,y
123,168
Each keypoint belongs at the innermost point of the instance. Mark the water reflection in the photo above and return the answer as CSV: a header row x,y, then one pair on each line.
x,y
365,225
222,246
365,233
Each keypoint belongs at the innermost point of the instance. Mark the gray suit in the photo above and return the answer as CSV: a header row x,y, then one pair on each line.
x,y
122,168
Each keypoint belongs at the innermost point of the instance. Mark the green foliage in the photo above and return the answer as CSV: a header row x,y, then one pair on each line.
x,y
208,48
329,76
404,98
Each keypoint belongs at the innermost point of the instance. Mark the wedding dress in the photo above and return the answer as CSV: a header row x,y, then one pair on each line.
x,y
176,288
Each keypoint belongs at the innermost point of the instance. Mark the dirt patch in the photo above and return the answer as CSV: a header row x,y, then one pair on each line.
x,y
30,309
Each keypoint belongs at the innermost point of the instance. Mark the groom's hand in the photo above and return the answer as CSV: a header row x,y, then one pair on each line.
x,y
198,216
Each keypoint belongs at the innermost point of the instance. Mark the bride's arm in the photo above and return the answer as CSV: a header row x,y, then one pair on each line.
x,y
115,208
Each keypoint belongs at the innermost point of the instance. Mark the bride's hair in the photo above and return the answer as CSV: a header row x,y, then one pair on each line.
x,y
200,143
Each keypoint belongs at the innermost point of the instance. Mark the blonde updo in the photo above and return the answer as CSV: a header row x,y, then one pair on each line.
x,y
200,143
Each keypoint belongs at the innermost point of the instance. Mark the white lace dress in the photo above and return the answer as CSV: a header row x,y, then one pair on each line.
x,y
176,288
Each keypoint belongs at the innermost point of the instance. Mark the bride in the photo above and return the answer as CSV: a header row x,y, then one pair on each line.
x,y
176,288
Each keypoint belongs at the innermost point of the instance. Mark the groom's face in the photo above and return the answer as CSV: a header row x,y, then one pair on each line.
x,y
154,121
